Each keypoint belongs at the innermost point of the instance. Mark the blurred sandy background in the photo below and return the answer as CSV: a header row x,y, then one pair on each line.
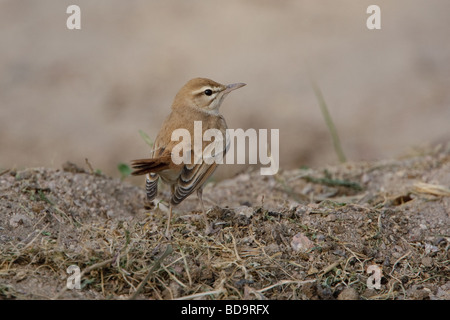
x,y
71,95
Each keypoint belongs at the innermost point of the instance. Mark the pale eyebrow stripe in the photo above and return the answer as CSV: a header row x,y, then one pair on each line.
x,y
214,89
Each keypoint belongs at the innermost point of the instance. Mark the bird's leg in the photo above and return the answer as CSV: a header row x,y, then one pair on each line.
x,y
167,234
208,227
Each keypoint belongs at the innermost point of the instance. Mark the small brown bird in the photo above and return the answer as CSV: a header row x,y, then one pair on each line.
x,y
198,100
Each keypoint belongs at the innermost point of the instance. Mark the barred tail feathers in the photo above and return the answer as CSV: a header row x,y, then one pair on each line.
x,y
151,186
153,165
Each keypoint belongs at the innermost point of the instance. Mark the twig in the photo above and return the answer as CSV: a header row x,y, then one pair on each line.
x,y
173,276
186,267
87,270
398,260
207,293
37,235
235,248
98,265
283,282
202,294
152,269
332,266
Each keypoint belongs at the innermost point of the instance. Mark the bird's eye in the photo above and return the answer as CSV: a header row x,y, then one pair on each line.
x,y
208,92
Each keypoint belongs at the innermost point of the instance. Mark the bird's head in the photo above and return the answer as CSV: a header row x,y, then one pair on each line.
x,y
204,94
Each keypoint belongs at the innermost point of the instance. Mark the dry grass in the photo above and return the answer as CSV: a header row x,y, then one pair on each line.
x,y
54,219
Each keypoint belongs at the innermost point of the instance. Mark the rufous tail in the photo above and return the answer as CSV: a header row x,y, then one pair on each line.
x,y
154,165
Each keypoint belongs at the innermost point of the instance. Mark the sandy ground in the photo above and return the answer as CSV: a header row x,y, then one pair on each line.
x,y
308,233
301,234
70,95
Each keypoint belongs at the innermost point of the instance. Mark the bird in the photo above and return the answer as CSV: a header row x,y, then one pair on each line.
x,y
198,100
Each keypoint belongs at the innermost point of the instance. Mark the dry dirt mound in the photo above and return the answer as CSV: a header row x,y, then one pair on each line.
x,y
302,234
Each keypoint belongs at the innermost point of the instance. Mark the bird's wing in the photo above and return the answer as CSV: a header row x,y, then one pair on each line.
x,y
194,175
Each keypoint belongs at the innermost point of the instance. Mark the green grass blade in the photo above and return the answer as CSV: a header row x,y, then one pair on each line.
x,y
146,138
329,122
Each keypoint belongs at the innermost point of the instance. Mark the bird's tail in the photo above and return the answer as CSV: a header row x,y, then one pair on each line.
x,y
153,165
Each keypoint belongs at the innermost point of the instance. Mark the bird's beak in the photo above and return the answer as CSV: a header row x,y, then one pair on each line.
x,y
233,86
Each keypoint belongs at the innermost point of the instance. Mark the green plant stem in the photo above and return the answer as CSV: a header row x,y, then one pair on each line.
x,y
329,122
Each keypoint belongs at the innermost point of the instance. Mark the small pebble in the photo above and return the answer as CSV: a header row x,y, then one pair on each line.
x,y
348,294
427,261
